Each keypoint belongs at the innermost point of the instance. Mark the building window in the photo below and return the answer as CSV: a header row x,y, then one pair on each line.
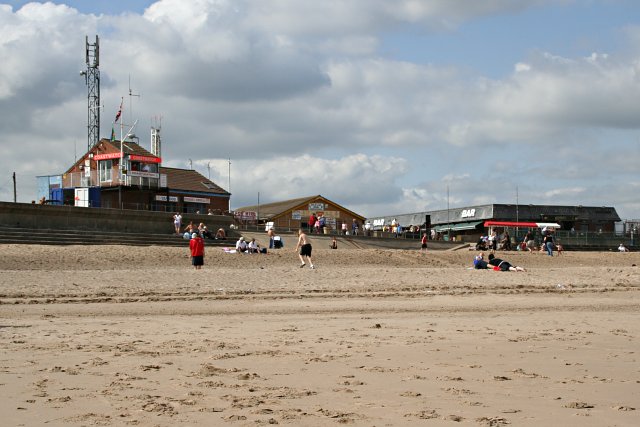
x,y
106,168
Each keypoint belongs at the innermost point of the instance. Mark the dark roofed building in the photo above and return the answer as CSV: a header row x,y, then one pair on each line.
x,y
294,213
195,191
467,223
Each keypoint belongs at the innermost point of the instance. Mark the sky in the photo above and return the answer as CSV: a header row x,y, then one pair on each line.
x,y
384,107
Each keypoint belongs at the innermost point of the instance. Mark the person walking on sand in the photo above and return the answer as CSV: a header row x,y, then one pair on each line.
x,y
177,222
548,243
423,246
196,245
305,249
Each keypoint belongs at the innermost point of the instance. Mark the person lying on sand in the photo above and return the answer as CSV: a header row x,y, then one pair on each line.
x,y
500,265
479,263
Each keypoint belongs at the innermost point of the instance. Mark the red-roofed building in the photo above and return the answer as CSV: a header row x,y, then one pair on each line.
x,y
98,180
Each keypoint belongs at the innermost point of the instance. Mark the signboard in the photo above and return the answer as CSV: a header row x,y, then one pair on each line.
x,y
196,200
316,206
468,213
164,198
144,174
144,159
163,180
106,156
246,215
296,215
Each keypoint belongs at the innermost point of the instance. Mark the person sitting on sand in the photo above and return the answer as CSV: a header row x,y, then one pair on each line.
x,y
500,265
334,243
253,247
241,245
204,231
220,234
481,245
622,248
189,230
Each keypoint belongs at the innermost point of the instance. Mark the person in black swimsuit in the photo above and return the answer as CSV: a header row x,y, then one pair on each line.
x,y
502,265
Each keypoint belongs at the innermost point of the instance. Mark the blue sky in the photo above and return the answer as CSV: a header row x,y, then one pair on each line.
x,y
380,106
96,7
491,45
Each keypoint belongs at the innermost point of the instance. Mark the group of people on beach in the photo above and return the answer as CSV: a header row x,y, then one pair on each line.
x,y
304,250
196,248
201,229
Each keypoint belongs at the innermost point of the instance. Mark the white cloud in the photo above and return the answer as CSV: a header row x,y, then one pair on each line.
x,y
300,98
353,180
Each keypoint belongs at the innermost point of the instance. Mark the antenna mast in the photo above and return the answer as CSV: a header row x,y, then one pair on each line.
x,y
92,80
131,94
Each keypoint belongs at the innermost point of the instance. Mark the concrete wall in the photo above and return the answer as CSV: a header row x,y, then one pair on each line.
x,y
28,215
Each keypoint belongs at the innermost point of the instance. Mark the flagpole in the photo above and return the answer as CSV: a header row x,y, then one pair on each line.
x,y
122,135
121,155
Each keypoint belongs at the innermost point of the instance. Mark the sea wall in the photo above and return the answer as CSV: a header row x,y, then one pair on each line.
x,y
35,216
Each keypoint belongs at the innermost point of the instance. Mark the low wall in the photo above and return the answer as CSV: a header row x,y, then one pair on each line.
x,y
34,216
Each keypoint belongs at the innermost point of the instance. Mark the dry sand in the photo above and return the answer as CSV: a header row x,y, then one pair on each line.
x,y
114,335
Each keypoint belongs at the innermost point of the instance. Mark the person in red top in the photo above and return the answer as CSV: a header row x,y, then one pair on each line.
x,y
423,247
312,222
196,244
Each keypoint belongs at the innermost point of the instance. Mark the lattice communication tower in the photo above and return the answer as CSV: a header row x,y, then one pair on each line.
x,y
92,79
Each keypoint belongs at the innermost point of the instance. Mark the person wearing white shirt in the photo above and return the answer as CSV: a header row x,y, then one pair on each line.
x,y
241,245
254,247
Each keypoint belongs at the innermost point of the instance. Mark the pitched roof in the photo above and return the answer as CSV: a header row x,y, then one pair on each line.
x,y
272,210
106,145
269,210
128,147
190,180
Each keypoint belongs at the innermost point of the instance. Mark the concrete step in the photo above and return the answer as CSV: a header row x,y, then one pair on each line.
x,y
15,235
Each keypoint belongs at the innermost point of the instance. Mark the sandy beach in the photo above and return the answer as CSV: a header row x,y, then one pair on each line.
x,y
115,335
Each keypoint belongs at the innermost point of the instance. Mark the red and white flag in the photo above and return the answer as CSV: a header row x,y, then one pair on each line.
x,y
119,113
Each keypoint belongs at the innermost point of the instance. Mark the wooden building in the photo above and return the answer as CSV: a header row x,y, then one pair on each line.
x,y
295,213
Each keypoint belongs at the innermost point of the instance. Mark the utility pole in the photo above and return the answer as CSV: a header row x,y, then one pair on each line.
x,y
448,225
517,213
15,194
